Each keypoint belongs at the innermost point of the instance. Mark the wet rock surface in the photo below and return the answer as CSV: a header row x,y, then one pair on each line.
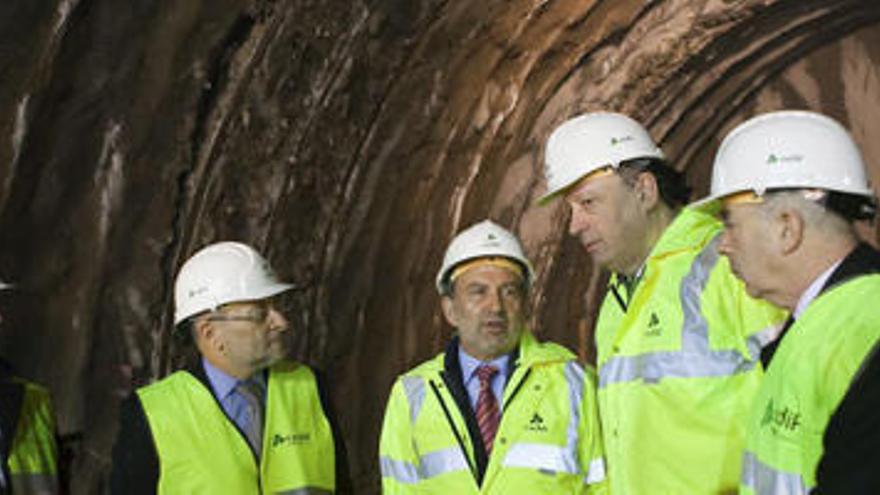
x,y
349,140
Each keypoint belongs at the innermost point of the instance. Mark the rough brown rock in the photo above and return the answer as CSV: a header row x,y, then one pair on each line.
x,y
349,140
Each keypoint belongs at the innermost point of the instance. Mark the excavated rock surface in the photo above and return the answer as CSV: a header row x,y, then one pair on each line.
x,y
349,140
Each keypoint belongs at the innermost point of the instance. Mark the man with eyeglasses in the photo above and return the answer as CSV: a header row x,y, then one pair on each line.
x,y
245,419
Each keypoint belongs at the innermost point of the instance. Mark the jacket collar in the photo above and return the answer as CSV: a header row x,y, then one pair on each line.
x,y
690,227
863,260
529,353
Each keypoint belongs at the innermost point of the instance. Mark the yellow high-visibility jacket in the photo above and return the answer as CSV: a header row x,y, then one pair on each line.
x,y
810,372
32,463
201,451
548,441
679,367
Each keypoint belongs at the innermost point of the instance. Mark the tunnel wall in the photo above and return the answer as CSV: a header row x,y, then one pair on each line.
x,y
349,141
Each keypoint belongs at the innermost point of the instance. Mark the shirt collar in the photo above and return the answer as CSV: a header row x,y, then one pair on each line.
x,y
469,364
222,383
813,290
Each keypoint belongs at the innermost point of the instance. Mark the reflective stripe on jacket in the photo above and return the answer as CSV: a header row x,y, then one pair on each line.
x,y
201,451
33,456
808,377
547,442
679,367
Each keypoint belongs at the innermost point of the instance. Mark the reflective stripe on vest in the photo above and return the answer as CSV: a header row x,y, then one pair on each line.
x,y
695,359
764,479
430,465
546,457
522,455
415,395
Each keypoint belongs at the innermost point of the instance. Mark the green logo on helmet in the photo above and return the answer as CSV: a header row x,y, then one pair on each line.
x,y
775,159
618,140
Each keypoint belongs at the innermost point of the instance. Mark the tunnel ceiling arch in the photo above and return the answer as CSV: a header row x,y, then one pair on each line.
x,y
349,140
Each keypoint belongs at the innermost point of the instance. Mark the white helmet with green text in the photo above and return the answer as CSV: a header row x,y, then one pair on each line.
x,y
789,149
222,273
591,142
482,240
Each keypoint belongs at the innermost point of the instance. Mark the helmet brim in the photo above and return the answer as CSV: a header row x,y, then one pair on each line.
x,y
267,291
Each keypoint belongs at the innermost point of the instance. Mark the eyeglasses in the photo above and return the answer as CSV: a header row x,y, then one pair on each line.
x,y
258,314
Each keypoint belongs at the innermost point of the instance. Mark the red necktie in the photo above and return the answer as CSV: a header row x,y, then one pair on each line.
x,y
487,406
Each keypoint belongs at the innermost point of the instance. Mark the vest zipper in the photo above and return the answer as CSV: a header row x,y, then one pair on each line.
x,y
516,390
455,431
617,296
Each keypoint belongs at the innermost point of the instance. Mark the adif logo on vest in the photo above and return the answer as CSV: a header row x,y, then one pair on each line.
x,y
654,328
781,418
536,424
290,439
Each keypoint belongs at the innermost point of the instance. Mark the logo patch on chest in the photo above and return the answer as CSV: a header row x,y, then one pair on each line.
x,y
536,424
290,439
781,419
654,328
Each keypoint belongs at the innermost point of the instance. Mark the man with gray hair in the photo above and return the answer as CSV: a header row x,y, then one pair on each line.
x,y
789,186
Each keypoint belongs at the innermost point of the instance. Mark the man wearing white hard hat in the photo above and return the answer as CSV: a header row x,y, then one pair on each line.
x,y
789,186
497,412
677,337
242,420
28,446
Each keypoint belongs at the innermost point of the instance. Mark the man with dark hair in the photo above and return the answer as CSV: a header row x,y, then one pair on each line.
x,y
497,412
244,419
677,337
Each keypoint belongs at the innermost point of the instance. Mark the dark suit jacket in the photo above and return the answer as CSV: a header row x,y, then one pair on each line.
x,y
850,463
11,395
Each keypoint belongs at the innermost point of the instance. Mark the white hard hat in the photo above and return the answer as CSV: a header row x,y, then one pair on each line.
x,y
590,142
222,273
787,149
6,285
481,240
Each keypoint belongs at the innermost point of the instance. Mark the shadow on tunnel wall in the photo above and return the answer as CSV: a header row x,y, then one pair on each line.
x,y
349,140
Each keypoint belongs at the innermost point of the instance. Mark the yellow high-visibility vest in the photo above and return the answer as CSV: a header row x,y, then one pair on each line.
x,y
679,368
201,451
811,371
548,441
33,457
